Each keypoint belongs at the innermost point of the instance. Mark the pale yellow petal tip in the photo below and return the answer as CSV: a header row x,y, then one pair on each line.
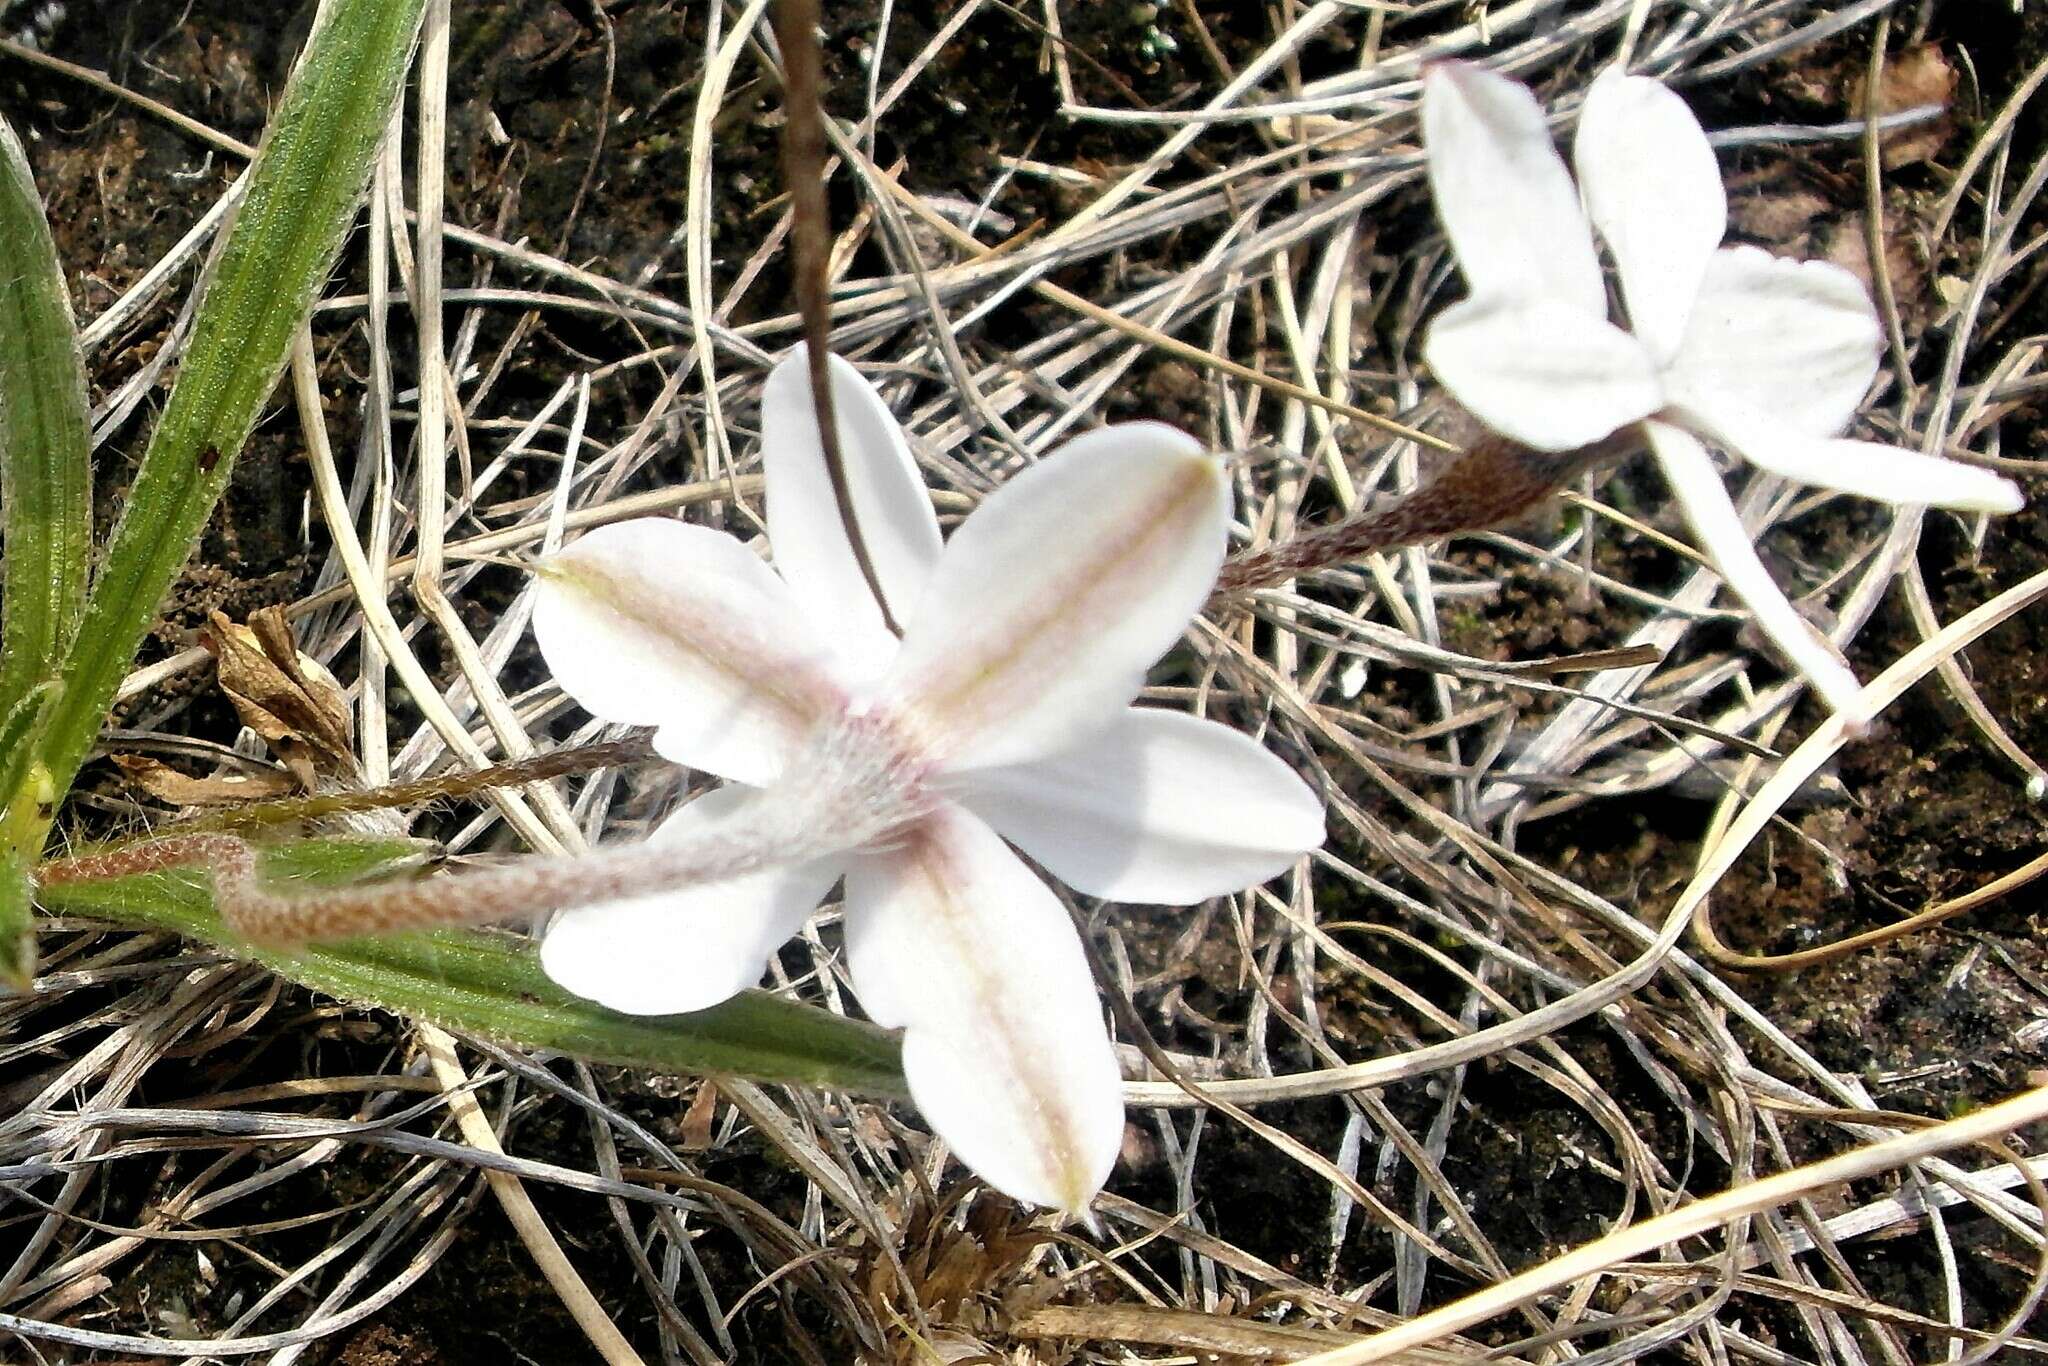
x,y
1207,472
1854,714
566,572
555,569
1207,478
1077,1199
1075,1183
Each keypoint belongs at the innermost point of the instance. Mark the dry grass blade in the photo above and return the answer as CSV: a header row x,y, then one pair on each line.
x,y
1991,1124
1466,1038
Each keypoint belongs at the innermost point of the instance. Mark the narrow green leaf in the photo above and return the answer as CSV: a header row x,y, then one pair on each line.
x,y
17,925
303,190
45,524
24,816
21,827
492,985
45,442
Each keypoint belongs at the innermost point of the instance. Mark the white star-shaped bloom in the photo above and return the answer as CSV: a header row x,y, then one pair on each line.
x,y
1766,358
1003,714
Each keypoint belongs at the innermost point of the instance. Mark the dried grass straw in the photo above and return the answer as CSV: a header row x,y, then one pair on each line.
x,y
1439,993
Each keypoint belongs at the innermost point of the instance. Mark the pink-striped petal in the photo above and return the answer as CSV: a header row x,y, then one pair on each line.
x,y
952,938
654,622
1161,807
1053,599
690,948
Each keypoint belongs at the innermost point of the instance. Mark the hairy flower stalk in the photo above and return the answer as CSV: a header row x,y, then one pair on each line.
x,y
1489,483
859,792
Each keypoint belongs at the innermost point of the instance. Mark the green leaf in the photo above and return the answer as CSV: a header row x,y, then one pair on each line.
x,y
45,441
45,525
304,187
491,984
24,816
17,926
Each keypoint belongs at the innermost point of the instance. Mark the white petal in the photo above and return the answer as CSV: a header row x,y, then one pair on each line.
x,y
690,948
1053,599
1795,339
1866,468
1704,498
1653,190
1541,373
653,622
1161,807
889,502
1503,193
955,940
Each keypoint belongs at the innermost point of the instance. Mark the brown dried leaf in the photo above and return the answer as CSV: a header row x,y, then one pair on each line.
x,y
285,696
1783,218
1848,246
697,1120
173,788
1917,76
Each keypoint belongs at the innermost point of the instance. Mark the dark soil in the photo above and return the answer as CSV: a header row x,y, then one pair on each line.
x,y
539,150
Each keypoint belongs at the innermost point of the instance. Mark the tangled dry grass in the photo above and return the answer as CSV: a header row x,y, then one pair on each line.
x,y
1429,1059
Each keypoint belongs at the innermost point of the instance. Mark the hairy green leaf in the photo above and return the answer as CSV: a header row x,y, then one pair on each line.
x,y
45,523
304,187
45,444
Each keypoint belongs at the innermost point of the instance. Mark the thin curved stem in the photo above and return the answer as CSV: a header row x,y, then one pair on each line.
x,y
810,237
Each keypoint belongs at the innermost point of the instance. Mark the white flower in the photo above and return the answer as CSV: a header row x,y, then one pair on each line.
x,y
1766,358
1004,711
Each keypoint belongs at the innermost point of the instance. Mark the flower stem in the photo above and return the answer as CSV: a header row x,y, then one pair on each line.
x,y
810,240
1493,481
492,985
554,763
849,794
268,916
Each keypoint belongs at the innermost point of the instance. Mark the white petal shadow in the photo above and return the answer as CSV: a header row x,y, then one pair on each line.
x,y
1162,808
952,938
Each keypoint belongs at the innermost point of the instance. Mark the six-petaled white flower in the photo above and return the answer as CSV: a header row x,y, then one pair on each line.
x,y
1003,714
1763,357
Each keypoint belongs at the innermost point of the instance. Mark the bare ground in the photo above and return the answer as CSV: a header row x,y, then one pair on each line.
x,y
570,132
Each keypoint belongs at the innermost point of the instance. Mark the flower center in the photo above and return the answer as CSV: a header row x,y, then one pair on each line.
x,y
868,778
